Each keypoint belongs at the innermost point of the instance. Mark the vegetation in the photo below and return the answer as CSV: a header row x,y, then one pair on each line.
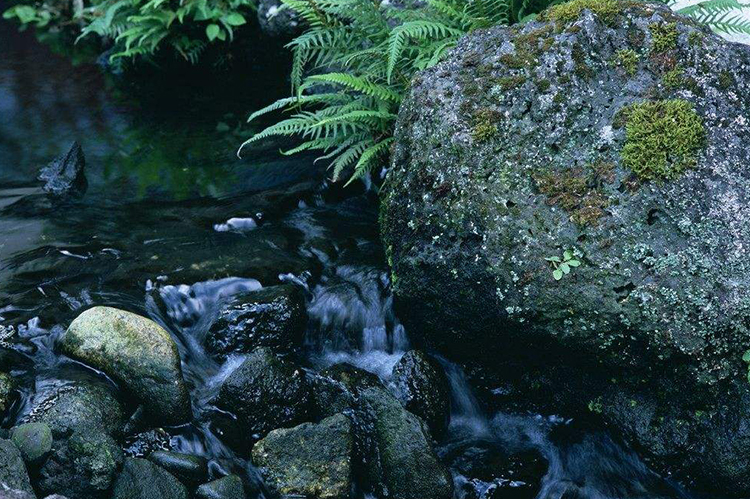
x,y
562,266
725,17
628,60
662,138
570,11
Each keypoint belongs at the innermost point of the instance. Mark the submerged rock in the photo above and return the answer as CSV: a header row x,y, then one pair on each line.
x,y
229,487
64,175
572,190
423,389
34,440
13,474
273,317
266,392
141,479
309,460
136,352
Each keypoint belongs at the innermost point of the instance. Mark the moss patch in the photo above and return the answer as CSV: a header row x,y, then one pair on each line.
x,y
674,79
628,60
663,138
484,125
510,82
571,11
578,191
664,36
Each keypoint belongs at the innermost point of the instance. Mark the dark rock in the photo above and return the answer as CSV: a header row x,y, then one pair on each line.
x,y
190,470
265,393
229,487
309,460
141,479
278,20
7,386
272,317
8,493
136,352
423,389
513,151
64,175
82,406
34,440
82,466
13,474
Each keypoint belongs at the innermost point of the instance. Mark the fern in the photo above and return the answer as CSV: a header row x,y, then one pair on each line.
x,y
725,17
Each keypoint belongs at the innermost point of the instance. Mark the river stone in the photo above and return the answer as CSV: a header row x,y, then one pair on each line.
x,y
142,479
137,353
64,175
13,474
7,385
190,470
229,487
34,440
272,317
309,460
81,405
423,389
82,466
510,152
265,393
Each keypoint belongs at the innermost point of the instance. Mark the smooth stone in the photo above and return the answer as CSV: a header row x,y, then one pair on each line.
x,y
142,479
190,470
34,440
229,487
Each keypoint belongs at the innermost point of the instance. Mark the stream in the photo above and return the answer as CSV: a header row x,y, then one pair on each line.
x,y
173,225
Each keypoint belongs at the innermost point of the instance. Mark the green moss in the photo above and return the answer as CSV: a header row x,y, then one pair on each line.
x,y
510,82
628,60
582,69
664,36
726,80
663,138
570,11
695,38
484,125
578,191
673,79
543,85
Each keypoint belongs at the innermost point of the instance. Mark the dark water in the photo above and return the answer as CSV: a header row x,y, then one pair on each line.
x,y
173,224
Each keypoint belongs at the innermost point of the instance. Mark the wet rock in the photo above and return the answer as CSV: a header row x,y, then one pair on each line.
x,y
190,470
229,487
273,317
7,386
34,440
423,389
523,150
81,466
266,392
82,406
64,175
142,479
309,460
278,21
13,474
8,493
145,443
137,353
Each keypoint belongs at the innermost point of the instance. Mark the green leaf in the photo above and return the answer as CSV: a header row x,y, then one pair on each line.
x,y
573,263
555,259
565,268
557,274
746,357
568,254
235,19
212,31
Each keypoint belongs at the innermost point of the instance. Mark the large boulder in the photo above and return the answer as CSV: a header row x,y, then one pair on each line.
x,y
137,353
572,190
141,479
309,460
266,392
272,317
13,474
423,389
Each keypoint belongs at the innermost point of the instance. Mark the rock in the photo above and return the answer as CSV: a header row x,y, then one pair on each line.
x,y
309,460
141,479
8,493
64,175
423,389
278,21
34,440
272,317
7,386
13,474
265,393
610,139
229,487
82,466
137,353
82,406
190,470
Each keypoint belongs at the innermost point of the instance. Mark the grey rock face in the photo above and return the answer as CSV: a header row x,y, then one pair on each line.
x,y
277,22
228,487
136,352
423,389
273,317
265,393
13,474
510,153
309,460
141,479
64,175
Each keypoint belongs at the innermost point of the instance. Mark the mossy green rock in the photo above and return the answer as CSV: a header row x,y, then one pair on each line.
x,y
34,440
475,230
13,474
310,460
142,479
228,487
137,353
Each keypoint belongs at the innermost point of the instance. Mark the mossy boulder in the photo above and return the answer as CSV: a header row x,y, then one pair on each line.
x,y
34,440
574,190
423,389
141,479
13,474
137,353
228,487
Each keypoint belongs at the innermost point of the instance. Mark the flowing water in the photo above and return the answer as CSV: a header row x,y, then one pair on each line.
x,y
173,225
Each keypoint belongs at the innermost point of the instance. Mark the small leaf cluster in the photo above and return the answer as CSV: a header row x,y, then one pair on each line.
x,y
562,266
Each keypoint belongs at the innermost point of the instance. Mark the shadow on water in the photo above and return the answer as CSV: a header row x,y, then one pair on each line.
x,y
174,225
